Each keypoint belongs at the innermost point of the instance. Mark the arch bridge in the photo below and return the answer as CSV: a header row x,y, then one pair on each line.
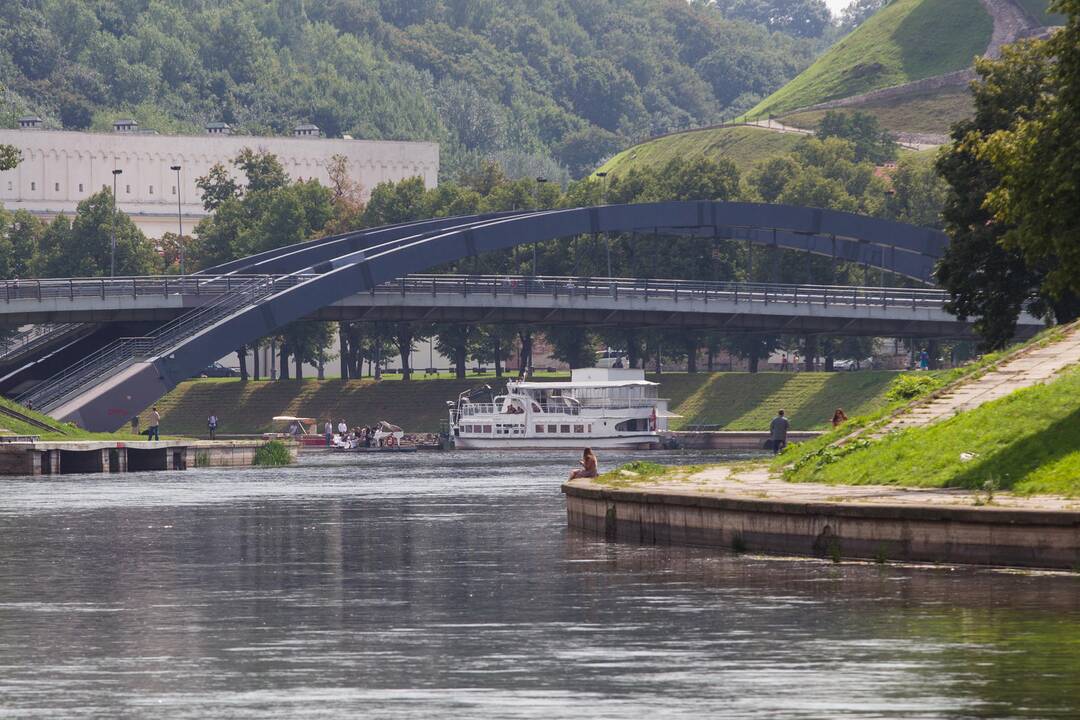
x,y
106,388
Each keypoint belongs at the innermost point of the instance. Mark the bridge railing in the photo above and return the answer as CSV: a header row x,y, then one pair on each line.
x,y
130,287
670,290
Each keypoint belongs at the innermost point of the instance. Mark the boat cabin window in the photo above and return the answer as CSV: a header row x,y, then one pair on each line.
x,y
579,428
564,428
539,428
551,428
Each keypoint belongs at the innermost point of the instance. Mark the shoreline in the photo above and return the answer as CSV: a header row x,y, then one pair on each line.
x,y
749,510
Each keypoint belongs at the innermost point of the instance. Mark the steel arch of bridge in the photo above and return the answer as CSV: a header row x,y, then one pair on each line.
x,y
361,261
898,247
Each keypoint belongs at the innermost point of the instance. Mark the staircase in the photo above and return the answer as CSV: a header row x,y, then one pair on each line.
x,y
1029,366
113,358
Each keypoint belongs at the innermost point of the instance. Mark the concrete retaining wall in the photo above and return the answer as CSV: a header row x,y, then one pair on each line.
x,y
979,536
735,441
65,457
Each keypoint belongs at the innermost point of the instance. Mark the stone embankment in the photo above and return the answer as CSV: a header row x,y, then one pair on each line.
x,y
750,511
37,457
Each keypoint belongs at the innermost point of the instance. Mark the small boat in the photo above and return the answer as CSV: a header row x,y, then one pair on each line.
x,y
599,407
299,429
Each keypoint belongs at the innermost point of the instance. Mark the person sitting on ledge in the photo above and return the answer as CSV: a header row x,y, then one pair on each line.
x,y
588,466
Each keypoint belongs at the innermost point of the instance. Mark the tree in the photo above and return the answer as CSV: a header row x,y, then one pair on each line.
x,y
752,348
453,341
986,280
573,345
804,18
10,156
858,12
82,247
1037,196
217,186
863,130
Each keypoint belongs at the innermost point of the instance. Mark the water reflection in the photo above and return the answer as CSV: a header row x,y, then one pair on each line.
x,y
447,585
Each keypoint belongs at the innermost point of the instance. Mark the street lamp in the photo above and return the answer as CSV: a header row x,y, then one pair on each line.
x,y
179,217
112,250
603,201
539,183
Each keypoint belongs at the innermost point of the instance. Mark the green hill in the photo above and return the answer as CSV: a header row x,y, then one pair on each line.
x,y
905,41
743,145
735,401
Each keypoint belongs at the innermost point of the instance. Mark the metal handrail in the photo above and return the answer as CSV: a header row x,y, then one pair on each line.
x,y
236,292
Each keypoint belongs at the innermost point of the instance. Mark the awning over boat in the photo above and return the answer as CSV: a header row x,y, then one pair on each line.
x,y
580,385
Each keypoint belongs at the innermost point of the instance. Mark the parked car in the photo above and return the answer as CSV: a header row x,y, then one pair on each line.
x,y
217,370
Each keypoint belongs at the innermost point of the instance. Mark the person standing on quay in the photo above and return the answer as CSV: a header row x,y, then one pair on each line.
x,y
155,421
778,432
211,422
328,431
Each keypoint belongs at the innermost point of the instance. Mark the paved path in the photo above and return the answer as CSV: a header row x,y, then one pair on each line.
x,y
1030,367
755,482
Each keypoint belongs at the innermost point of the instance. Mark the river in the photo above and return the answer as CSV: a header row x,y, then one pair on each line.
x,y
447,585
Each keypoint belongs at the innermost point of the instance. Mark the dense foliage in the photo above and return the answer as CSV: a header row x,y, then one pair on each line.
x,y
526,80
1012,174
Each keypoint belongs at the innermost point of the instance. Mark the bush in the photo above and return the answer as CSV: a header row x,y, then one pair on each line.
x,y
911,386
273,454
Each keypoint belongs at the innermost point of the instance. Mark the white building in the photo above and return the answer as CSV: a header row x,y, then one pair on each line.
x,y
61,168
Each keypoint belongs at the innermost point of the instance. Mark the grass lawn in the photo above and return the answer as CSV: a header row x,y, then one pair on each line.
x,y
745,146
929,113
1028,442
907,40
62,431
736,401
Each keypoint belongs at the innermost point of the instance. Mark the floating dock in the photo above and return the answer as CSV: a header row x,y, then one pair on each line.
x,y
62,457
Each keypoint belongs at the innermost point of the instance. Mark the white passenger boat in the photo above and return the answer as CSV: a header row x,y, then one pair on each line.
x,y
599,408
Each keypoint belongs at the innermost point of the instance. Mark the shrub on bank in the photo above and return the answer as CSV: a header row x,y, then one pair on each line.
x,y
273,454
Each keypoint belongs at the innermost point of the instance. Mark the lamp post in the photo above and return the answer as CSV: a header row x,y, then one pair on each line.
x,y
179,216
112,248
539,184
603,201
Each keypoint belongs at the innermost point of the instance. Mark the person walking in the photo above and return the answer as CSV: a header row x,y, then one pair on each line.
x,y
155,421
328,432
211,423
778,432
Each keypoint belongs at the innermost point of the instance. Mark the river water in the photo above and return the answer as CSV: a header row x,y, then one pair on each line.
x,y
447,585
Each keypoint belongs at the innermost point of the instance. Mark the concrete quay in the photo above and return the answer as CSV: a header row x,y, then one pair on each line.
x,y
747,509
61,457
735,441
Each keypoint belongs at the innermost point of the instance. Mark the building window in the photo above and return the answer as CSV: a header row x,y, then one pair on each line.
x,y
127,189
173,189
9,186
57,186
151,189
80,187
33,186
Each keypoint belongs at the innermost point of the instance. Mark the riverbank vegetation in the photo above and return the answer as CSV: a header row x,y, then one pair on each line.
x,y
642,472
273,454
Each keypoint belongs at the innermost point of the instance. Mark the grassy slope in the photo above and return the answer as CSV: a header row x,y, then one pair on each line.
x,y
18,427
929,113
735,400
1028,442
907,40
743,145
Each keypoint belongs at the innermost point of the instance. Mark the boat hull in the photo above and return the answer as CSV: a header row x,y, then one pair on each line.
x,y
644,441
